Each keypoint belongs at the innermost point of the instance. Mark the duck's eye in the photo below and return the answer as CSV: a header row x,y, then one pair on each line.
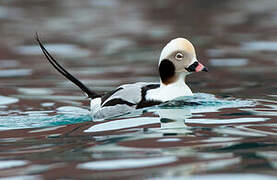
x,y
179,56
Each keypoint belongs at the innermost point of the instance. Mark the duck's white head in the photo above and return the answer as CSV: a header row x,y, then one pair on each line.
x,y
178,59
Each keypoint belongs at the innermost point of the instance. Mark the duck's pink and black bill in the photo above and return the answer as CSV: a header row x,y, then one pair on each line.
x,y
196,67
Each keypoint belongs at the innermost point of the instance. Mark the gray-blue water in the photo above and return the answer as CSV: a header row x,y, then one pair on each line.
x,y
226,131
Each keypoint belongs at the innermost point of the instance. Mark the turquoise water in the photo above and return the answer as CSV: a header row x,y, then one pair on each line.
x,y
200,102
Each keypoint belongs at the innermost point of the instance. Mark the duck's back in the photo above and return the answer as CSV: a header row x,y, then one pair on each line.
x,y
123,99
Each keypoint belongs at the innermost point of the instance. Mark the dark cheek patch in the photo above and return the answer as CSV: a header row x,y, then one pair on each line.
x,y
167,71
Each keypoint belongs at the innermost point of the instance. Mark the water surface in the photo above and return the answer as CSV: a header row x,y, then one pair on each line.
x,y
227,130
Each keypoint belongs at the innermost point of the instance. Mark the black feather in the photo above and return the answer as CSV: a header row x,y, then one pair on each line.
x,y
65,73
109,94
117,101
147,103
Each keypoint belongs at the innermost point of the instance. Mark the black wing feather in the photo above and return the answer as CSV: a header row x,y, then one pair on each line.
x,y
64,72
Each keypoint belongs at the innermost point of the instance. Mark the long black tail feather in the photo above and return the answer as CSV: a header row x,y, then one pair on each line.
x,y
65,73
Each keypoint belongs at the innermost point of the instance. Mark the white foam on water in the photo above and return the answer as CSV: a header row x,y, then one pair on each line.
x,y
27,177
73,110
47,104
35,91
239,132
4,164
35,113
225,121
15,72
226,176
7,100
260,46
68,50
169,140
122,124
229,62
37,120
127,163
220,164
221,139
207,103
216,52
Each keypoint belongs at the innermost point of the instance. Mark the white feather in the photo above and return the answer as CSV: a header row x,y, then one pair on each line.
x,y
171,91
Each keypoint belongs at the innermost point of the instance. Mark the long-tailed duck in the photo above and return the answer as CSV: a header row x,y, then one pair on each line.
x,y
177,60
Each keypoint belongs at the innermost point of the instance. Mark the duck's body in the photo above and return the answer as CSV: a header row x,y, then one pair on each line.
x,y
177,60
123,99
135,96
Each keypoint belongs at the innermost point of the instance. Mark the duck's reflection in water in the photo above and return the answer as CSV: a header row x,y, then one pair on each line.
x,y
173,120
168,119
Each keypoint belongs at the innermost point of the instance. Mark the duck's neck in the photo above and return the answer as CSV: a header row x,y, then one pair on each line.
x,y
170,91
180,79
